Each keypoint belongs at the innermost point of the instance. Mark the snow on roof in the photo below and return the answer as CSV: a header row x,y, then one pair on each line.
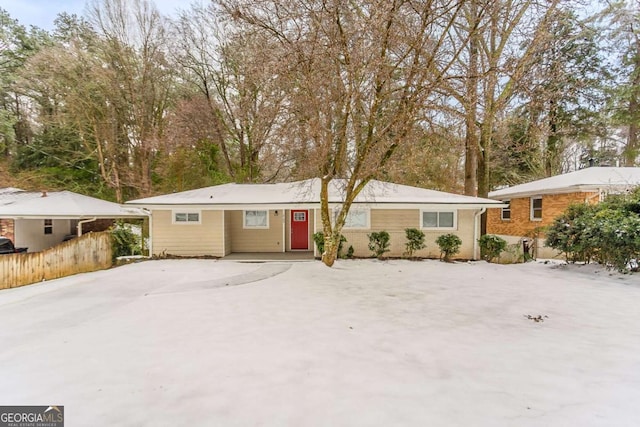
x,y
61,204
589,179
308,191
12,194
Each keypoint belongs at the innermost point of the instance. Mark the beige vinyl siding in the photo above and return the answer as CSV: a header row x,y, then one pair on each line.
x,y
257,240
205,238
395,221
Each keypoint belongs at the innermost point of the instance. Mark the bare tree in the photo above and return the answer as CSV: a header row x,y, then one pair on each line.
x,y
360,77
138,82
504,36
239,76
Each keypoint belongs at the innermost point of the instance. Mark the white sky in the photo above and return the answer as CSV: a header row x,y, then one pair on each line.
x,y
42,13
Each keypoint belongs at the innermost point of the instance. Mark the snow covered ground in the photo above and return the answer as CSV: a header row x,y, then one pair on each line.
x,y
366,343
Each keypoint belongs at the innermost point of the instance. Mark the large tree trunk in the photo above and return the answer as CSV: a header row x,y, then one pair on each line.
x,y
471,129
630,153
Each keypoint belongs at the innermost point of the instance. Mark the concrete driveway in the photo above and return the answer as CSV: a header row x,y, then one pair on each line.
x,y
205,342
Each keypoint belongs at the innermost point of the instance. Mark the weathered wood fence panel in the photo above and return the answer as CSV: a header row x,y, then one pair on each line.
x,y
90,252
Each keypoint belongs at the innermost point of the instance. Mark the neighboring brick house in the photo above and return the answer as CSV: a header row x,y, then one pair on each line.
x,y
534,205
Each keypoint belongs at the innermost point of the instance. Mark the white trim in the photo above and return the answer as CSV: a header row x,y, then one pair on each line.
x,y
531,199
175,212
254,227
309,241
284,229
332,205
476,233
455,219
502,218
224,236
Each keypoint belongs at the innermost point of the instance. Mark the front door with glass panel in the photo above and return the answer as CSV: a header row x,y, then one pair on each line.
x,y
299,229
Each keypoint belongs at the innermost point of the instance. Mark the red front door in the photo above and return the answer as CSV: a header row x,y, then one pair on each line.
x,y
299,229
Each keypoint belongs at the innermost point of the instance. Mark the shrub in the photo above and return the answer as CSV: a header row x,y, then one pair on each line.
x,y
415,241
449,245
491,246
608,233
318,238
572,233
125,241
350,252
379,243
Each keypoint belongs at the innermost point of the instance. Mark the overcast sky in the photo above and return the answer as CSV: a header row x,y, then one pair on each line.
x,y
42,13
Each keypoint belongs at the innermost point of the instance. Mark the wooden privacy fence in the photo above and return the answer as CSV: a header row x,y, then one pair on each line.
x,y
90,252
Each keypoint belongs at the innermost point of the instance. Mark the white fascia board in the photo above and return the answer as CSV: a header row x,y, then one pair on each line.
x,y
81,217
388,206
546,192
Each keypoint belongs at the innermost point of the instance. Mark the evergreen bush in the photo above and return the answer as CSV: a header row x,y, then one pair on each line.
x,y
125,241
379,243
449,245
415,241
318,238
491,246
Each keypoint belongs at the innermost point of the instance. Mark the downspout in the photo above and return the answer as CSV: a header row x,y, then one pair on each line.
x,y
476,232
84,221
284,230
150,216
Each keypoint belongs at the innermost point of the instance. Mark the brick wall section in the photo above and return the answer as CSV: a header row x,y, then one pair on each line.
x,y
521,224
97,225
7,229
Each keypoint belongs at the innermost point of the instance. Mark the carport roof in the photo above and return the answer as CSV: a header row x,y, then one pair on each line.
x,y
16,203
308,192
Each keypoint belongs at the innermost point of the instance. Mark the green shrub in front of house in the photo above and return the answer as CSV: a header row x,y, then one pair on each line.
x,y
491,246
449,245
379,243
125,241
318,238
415,241
608,233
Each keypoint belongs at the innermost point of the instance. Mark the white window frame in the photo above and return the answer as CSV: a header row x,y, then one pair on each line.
x,y
367,213
254,227
304,213
439,211
531,210
186,212
502,210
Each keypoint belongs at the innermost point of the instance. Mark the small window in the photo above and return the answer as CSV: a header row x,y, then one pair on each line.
x,y
357,218
299,216
186,217
48,226
506,212
536,208
444,219
256,219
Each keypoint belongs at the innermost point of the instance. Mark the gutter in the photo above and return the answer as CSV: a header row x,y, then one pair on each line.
x,y
476,232
84,221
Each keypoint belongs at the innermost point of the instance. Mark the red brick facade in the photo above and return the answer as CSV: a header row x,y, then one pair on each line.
x,y
521,224
7,229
